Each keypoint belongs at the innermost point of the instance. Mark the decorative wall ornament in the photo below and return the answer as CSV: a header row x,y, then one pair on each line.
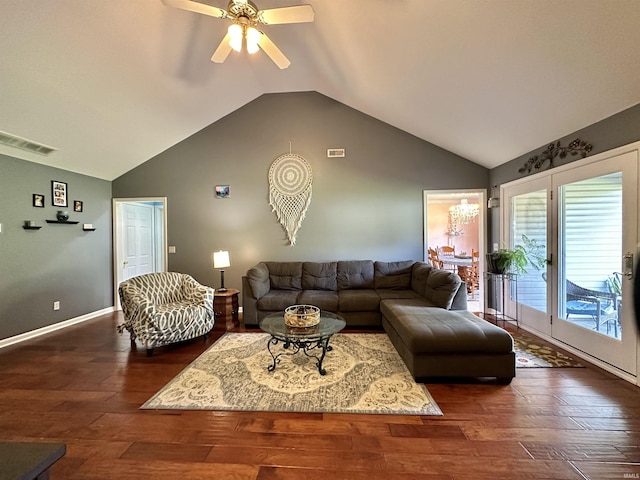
x,y
555,150
290,179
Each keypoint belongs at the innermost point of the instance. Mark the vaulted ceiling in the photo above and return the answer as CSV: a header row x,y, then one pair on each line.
x,y
111,83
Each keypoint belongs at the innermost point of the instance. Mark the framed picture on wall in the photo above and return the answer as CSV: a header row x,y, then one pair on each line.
x,y
38,200
222,191
77,206
58,194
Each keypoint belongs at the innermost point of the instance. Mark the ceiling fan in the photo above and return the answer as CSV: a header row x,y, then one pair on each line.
x,y
245,18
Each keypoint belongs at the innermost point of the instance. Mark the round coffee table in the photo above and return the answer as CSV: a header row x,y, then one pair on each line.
x,y
312,341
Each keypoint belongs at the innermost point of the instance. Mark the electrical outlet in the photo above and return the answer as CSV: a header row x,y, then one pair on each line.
x,y
495,247
56,305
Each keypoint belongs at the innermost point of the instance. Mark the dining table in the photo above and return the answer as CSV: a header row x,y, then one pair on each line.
x,y
457,260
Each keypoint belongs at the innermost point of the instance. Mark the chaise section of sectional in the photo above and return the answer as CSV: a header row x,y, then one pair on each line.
x,y
434,342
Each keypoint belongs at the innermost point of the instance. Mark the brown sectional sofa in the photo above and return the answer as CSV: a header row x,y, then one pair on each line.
x,y
422,309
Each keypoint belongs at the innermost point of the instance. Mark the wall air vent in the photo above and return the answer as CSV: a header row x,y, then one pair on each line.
x,y
24,144
335,153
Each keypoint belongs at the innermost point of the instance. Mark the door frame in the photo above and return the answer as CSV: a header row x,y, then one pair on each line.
x,y
482,227
162,238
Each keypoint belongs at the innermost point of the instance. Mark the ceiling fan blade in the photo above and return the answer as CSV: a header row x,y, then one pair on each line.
x,y
297,14
223,50
197,7
274,52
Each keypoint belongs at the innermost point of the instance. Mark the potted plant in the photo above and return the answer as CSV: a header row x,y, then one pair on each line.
x,y
517,260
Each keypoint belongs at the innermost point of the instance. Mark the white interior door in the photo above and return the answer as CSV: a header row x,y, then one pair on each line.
x,y
596,221
139,239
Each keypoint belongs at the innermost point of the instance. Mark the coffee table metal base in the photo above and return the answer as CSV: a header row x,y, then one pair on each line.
x,y
310,348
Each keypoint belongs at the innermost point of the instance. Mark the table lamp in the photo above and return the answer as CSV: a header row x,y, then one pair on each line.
x,y
221,260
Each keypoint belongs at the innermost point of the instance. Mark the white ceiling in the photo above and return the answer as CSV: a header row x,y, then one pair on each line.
x,y
111,83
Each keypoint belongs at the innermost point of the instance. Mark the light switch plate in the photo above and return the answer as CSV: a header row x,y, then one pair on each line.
x,y
172,249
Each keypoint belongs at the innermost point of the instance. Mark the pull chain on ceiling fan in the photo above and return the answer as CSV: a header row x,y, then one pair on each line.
x,y
245,18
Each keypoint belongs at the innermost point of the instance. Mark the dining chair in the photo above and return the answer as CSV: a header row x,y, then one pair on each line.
x,y
444,252
434,259
474,275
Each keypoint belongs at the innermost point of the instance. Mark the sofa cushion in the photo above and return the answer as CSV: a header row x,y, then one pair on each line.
x,y
389,293
434,330
442,286
355,274
285,275
362,300
394,275
323,299
319,276
277,300
419,276
258,277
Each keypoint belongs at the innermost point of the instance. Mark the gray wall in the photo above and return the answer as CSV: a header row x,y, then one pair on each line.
x,y
615,131
57,262
365,206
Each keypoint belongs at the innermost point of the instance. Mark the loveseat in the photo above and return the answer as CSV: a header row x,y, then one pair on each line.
x,y
422,309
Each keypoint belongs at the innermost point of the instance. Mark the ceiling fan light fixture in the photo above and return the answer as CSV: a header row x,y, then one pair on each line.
x,y
235,37
253,40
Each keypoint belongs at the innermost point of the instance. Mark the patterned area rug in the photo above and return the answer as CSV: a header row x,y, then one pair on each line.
x,y
530,353
365,374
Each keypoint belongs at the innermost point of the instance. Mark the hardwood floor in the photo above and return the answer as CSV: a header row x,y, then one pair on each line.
x,y
83,386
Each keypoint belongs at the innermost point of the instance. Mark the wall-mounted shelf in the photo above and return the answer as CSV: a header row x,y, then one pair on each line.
x,y
32,227
89,229
67,222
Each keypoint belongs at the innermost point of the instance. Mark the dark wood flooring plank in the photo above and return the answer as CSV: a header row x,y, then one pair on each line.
x,y
608,471
286,473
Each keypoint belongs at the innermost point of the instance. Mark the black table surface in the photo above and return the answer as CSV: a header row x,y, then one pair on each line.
x,y
25,461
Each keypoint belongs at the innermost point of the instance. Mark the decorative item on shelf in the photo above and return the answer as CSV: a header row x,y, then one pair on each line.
x,y
301,316
31,225
221,260
88,227
554,150
62,215
461,214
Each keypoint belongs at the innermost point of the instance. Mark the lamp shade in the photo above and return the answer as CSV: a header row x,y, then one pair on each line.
x,y
221,259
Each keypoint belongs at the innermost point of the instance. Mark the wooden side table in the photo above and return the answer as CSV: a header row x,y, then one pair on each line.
x,y
225,305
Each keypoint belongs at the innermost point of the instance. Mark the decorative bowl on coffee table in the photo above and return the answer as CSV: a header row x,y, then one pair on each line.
x,y
302,316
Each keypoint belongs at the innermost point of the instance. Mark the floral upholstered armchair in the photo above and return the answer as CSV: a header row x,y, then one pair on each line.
x,y
165,307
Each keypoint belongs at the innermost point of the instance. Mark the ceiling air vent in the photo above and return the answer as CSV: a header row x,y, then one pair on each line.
x,y
24,144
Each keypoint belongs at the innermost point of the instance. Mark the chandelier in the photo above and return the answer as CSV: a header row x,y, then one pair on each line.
x,y
461,214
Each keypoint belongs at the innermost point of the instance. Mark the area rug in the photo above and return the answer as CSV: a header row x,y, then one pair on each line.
x,y
532,354
365,374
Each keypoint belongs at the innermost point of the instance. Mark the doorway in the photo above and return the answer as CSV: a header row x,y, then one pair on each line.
x,y
139,238
457,219
586,215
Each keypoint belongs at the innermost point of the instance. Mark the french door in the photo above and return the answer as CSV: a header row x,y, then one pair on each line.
x,y
596,231
585,215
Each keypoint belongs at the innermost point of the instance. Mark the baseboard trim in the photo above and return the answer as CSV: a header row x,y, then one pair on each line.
x,y
586,357
52,328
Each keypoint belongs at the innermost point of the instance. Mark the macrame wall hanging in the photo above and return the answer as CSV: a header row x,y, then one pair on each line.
x,y
290,179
